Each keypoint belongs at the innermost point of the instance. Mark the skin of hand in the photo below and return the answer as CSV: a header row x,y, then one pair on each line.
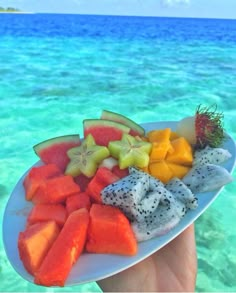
x,y
173,268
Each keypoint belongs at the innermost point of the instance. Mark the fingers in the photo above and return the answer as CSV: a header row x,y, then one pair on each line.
x,y
171,269
178,261
128,280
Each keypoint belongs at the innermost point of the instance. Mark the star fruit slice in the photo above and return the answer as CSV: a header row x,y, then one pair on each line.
x,y
130,151
86,158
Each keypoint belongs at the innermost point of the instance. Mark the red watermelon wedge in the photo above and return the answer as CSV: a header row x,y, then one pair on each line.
x,y
104,131
54,150
135,129
101,179
110,231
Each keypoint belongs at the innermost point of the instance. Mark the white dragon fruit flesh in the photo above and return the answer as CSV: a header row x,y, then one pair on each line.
x,y
161,221
134,194
182,193
152,209
208,177
210,155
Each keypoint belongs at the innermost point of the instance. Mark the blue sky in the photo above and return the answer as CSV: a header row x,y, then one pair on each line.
x,y
176,8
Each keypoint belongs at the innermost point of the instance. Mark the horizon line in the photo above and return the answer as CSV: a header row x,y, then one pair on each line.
x,y
119,15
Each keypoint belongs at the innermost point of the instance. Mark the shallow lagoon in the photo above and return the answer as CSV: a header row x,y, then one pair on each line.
x,y
58,70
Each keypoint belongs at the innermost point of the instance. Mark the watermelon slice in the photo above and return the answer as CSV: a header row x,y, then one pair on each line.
x,y
101,179
36,176
135,129
47,212
121,173
82,181
78,201
55,190
104,131
110,231
54,150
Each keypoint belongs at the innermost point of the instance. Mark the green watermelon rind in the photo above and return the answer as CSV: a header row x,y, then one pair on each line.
x,y
93,123
38,148
116,117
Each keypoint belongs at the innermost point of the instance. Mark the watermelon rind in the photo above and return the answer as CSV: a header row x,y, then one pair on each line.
x,y
55,140
116,117
104,131
87,123
54,150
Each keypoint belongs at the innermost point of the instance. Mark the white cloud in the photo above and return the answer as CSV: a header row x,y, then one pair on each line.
x,y
170,3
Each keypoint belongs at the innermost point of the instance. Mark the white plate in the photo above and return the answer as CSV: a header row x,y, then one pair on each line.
x,y
94,267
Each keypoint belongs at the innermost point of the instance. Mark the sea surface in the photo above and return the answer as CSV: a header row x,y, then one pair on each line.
x,y
56,70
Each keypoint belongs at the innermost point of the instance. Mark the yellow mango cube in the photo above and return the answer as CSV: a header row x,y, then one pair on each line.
x,y
160,170
159,135
182,154
173,135
178,171
159,150
160,140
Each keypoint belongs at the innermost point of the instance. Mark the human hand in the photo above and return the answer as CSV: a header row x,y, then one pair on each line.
x,y
173,268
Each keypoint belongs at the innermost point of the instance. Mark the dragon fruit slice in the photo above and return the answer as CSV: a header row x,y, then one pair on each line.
x,y
154,183
146,207
210,155
182,193
153,200
158,223
209,177
165,217
168,199
137,195
127,192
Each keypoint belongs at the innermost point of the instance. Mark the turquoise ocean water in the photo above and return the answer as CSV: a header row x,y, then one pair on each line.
x,y
57,70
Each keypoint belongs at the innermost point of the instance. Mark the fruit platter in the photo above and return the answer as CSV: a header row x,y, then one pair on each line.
x,y
94,206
